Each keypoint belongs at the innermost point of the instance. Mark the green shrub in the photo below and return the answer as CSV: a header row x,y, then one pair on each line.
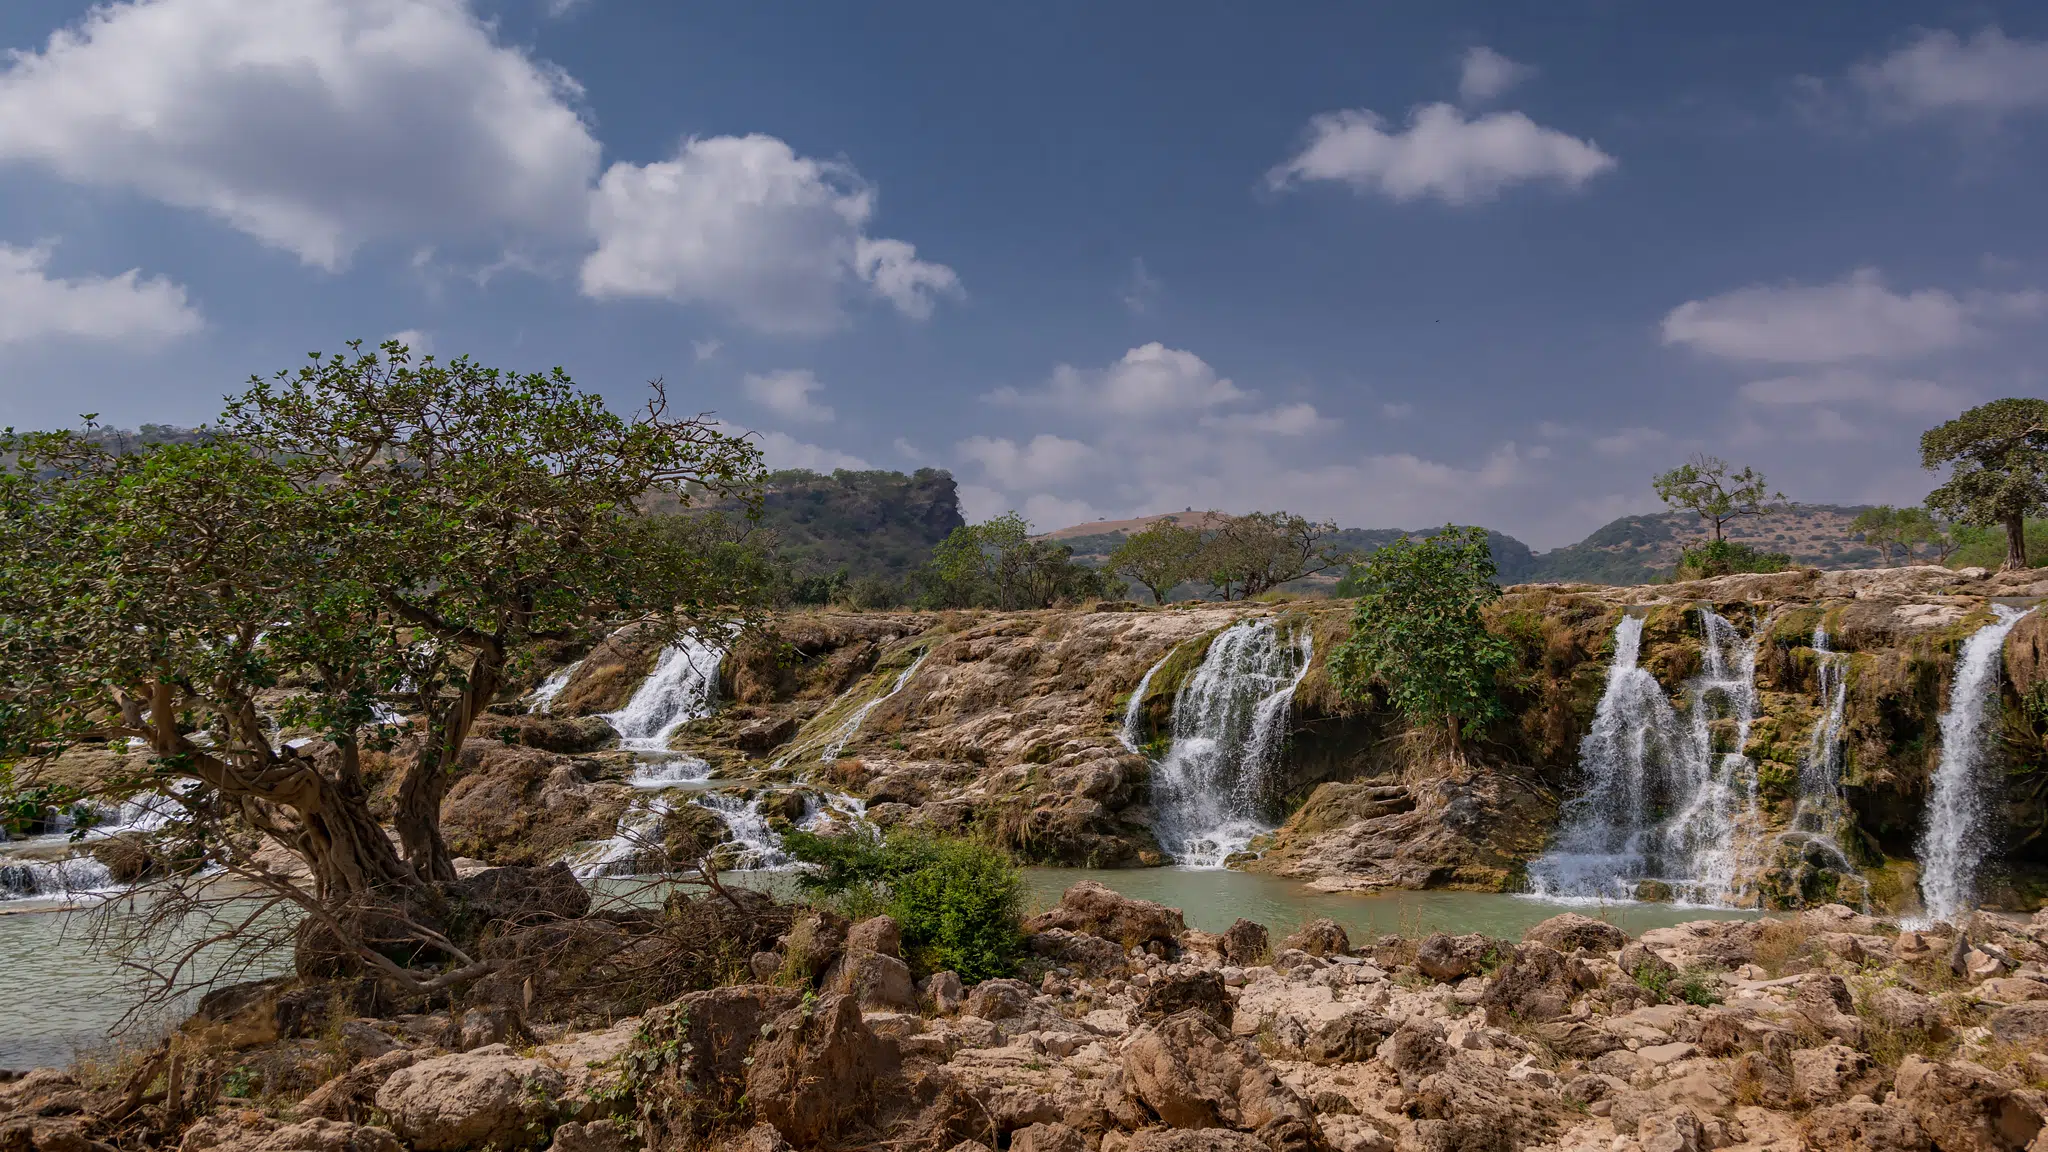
x,y
958,902
1722,558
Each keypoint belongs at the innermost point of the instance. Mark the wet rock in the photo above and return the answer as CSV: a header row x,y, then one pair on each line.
x,y
249,1131
1245,943
1968,1107
1448,958
1571,932
1202,991
1862,1126
814,1077
1322,938
489,1096
1191,1074
1097,910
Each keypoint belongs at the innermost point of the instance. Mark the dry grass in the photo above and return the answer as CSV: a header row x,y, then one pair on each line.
x,y
1784,947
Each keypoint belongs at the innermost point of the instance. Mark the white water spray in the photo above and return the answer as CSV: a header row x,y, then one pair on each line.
x,y
542,699
1655,800
682,687
850,727
1823,810
1212,790
1134,711
1956,836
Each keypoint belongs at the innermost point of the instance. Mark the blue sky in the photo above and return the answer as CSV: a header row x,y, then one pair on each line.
x,y
1391,265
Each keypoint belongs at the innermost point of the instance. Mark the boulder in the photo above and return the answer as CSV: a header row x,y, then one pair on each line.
x,y
1450,958
2022,1023
1969,1107
1537,983
697,1047
946,991
1100,911
1088,955
1349,1039
1047,1138
250,1131
999,1000
351,1095
1245,943
1907,1010
1202,991
1861,1126
520,895
875,981
1190,1073
1571,932
1197,1140
876,934
762,736
487,1096
1323,938
1677,1130
1822,1075
609,1135
1415,1050
814,1072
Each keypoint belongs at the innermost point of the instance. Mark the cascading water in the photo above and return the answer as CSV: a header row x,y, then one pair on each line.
x,y
1134,711
682,687
850,727
542,699
1212,788
1640,762
1956,837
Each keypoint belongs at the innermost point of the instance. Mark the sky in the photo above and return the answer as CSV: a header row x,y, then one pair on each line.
x,y
1388,265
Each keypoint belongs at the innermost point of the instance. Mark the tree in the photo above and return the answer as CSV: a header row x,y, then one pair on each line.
x,y
1997,455
997,564
1161,558
1255,553
1708,486
367,532
1917,526
1419,633
1884,528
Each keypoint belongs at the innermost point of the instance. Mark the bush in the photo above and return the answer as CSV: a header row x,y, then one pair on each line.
x,y
958,902
1722,558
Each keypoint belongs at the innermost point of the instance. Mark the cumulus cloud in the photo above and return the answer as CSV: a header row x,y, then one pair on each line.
x,y
34,305
1484,74
1940,72
744,224
1852,318
1042,461
416,342
788,393
312,125
1149,379
781,450
1440,154
1843,387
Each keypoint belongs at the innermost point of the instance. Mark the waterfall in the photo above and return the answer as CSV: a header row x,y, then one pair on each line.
x,y
1655,801
1212,788
850,727
682,688
1822,810
1134,711
1955,838
42,879
542,699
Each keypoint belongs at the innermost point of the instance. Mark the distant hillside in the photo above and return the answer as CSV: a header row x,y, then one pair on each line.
x,y
869,523
1092,544
1634,549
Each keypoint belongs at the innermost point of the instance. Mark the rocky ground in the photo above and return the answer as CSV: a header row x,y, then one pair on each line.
x,y
1130,1033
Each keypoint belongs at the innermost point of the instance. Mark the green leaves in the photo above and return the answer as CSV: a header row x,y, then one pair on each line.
x,y
1418,631
1997,455
1709,486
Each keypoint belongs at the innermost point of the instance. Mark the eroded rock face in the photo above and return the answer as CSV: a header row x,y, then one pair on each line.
x,y
487,1096
1097,910
1442,956
1967,1107
1571,932
1323,938
250,1131
814,1075
698,1049
1190,1073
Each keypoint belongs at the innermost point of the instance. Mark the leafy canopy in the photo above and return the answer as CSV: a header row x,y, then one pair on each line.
x,y
996,564
1997,456
1419,633
1160,558
1710,487
1253,554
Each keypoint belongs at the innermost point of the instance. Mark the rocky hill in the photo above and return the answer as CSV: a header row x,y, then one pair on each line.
x,y
866,524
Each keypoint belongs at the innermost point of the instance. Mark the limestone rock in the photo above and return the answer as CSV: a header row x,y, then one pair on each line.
x,y
1570,932
1191,1074
999,1000
1245,943
876,934
1861,1126
699,1047
2022,1023
1322,938
1822,1075
1537,983
1451,958
1047,1138
1202,991
596,1136
1970,1108
814,1077
248,1131
945,990
1088,955
874,980
1099,911
465,1100
1198,1140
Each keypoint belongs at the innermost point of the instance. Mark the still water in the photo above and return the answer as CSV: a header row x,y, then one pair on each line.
x,y
59,998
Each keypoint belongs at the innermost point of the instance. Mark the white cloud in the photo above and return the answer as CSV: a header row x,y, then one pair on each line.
x,y
1440,154
1940,72
1484,74
1397,410
978,502
788,393
1051,513
1627,441
1842,387
1042,461
744,224
781,450
1297,419
706,349
1149,379
558,9
1853,318
121,308
416,342
1141,291
312,125
907,450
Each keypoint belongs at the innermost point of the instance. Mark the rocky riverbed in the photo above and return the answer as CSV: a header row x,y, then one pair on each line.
x,y
1128,1032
